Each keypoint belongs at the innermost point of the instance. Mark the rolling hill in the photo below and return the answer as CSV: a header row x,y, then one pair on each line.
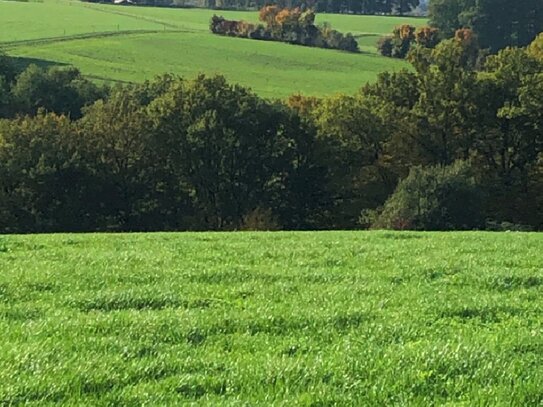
x,y
136,43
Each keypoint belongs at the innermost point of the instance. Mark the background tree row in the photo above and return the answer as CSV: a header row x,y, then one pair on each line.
x,y
290,25
324,6
496,23
445,145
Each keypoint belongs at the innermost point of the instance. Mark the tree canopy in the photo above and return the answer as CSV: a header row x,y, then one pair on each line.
x,y
407,151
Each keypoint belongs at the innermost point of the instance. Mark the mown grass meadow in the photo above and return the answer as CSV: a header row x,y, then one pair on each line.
x,y
331,318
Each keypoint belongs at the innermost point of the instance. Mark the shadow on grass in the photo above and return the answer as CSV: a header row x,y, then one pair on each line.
x,y
21,63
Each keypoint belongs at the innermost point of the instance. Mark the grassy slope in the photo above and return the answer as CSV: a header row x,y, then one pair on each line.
x,y
288,319
272,69
187,48
24,21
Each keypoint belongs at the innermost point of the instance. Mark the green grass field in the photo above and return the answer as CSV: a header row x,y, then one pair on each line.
x,y
137,43
332,318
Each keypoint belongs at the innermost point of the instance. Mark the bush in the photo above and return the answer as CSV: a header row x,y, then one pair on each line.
x,y
62,91
260,219
496,226
404,37
434,198
385,46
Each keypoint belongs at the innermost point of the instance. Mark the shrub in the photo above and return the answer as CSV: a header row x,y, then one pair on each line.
x,y
349,43
434,198
496,226
385,46
403,37
260,219
405,32
428,37
400,48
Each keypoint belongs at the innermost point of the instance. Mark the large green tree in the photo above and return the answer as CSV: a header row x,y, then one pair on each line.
x,y
63,91
233,151
511,145
434,198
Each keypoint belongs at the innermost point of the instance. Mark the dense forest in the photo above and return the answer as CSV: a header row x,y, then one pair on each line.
x,y
497,23
492,24
453,143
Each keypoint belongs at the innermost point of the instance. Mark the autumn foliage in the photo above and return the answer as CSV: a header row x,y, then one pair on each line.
x,y
404,36
427,37
465,36
291,25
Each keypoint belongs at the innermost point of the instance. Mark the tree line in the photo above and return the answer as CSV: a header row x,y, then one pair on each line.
x,y
448,144
496,23
491,25
290,25
324,6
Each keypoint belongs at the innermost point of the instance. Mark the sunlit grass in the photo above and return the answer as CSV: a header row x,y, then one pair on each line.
x,y
345,318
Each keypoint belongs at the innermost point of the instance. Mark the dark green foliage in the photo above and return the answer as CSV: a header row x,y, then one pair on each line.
x,y
449,111
449,15
293,26
43,182
8,72
203,154
497,23
8,69
63,91
434,198
385,46
5,97
233,151
170,154
325,6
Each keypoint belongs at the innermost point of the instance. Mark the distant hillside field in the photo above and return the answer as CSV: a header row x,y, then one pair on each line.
x,y
136,43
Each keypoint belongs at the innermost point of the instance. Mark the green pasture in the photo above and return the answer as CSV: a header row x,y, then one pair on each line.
x,y
272,69
137,43
307,319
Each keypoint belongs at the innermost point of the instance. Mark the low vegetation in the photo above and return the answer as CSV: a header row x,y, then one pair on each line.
x,y
347,318
497,24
